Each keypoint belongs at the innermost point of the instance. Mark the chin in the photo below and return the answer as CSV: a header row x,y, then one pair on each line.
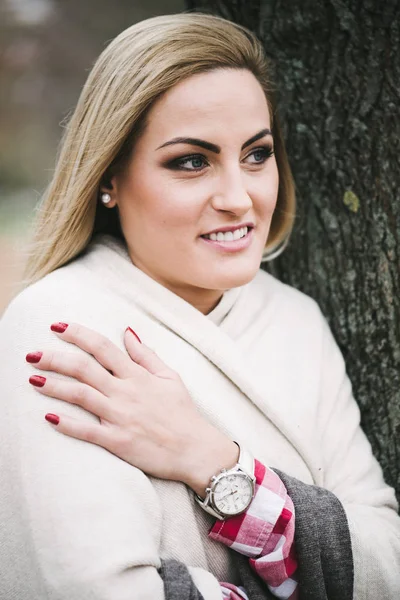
x,y
235,276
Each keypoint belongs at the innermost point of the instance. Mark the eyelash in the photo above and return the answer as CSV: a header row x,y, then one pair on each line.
x,y
177,162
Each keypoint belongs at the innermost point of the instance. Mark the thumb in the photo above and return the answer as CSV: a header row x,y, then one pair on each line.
x,y
143,355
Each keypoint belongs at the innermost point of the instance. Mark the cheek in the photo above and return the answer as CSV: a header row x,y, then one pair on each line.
x,y
273,188
267,195
157,203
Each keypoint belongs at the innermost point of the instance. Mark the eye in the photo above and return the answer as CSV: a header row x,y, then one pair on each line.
x,y
197,161
261,154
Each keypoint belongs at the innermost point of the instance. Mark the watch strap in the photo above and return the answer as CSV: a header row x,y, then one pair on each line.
x,y
245,464
245,461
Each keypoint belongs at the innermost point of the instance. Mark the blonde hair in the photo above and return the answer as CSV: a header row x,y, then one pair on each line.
x,y
138,66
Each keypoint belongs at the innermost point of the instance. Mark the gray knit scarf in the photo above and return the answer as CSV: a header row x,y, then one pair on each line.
x,y
323,548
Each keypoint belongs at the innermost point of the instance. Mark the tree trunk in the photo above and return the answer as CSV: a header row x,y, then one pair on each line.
x,y
337,69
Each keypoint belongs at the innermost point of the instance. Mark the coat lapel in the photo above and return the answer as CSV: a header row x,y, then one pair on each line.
x,y
214,342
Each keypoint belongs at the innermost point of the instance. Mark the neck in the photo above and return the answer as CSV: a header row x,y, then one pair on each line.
x,y
203,299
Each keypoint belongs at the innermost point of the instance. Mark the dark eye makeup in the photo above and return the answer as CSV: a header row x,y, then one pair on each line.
x,y
264,152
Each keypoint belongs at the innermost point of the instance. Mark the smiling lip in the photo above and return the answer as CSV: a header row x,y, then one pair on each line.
x,y
230,228
232,246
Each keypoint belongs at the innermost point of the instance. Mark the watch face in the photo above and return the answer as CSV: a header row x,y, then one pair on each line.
x,y
232,494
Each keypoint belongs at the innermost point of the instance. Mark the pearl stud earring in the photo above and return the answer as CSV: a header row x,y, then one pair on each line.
x,y
105,198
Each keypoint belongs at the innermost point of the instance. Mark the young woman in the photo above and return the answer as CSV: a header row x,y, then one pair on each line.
x,y
175,422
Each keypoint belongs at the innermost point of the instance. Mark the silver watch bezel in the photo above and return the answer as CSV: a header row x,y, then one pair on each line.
x,y
243,466
216,479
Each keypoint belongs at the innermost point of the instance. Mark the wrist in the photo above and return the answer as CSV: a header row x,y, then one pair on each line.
x,y
209,457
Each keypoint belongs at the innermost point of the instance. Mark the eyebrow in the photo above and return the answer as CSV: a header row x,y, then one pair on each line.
x,y
213,147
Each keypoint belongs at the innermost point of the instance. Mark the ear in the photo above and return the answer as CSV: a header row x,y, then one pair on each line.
x,y
108,186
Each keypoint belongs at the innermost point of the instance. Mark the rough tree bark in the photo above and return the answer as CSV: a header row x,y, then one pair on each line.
x,y
337,69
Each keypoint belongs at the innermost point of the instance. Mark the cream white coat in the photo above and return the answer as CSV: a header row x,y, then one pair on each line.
x,y
79,523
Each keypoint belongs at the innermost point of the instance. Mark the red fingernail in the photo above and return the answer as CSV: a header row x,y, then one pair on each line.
x,y
135,334
53,419
59,327
37,380
33,357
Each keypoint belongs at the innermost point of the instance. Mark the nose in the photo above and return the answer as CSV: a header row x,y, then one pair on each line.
x,y
232,194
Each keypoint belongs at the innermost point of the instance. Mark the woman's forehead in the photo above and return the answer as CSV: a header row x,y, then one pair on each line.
x,y
203,102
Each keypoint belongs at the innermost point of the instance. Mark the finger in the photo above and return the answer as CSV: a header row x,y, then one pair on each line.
x,y
74,393
100,347
82,430
79,366
144,356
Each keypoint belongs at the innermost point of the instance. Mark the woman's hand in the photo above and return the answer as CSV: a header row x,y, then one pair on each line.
x,y
146,416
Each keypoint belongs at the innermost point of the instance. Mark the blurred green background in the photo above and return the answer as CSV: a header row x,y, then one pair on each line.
x,y
47,48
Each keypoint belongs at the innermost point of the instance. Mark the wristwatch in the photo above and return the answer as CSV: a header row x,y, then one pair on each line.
x,y
232,490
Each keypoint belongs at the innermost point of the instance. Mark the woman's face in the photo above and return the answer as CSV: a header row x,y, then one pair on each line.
x,y
204,164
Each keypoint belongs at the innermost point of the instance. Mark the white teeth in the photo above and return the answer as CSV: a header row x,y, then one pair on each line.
x,y
228,236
